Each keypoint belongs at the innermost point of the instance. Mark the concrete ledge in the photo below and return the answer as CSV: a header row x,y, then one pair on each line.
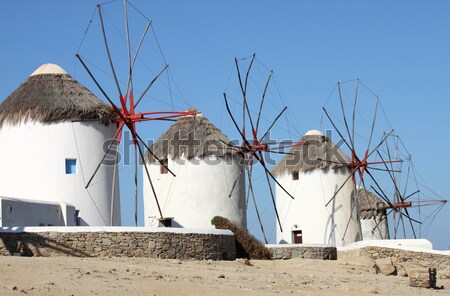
x,y
403,244
118,229
288,251
124,242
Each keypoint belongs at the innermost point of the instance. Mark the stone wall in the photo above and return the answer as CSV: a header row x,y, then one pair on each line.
x,y
159,244
303,251
400,257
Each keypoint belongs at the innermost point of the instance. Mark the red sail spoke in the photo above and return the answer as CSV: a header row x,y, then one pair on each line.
x,y
360,166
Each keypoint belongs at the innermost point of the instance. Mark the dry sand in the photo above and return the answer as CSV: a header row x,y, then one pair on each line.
x,y
142,276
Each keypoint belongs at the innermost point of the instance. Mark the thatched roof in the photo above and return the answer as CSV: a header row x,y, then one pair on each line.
x,y
319,153
51,95
191,136
370,205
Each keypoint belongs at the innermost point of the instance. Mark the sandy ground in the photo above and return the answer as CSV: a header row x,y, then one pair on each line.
x,y
141,276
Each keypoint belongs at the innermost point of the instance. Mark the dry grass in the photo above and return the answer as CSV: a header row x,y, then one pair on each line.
x,y
191,136
319,152
49,98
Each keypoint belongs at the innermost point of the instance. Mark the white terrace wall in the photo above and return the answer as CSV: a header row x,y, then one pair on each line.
x,y
14,212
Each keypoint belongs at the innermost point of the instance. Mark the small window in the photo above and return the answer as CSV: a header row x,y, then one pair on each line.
x,y
71,166
163,167
295,176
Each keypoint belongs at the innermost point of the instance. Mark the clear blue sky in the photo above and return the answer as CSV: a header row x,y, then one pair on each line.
x,y
400,49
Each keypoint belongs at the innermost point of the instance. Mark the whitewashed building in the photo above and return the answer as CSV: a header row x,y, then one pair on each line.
x,y
53,133
209,181
374,222
312,175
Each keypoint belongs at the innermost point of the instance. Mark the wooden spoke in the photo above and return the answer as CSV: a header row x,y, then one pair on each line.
x,y
99,87
150,181
273,196
262,100
352,139
373,124
345,117
342,186
252,193
337,130
154,155
150,85
113,142
107,51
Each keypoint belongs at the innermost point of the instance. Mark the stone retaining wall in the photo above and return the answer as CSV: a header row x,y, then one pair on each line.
x,y
174,245
400,257
303,251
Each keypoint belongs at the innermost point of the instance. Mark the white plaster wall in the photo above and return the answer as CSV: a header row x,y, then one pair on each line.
x,y
199,192
375,228
337,224
32,166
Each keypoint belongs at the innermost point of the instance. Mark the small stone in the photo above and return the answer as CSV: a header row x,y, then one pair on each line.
x,y
385,266
422,278
106,242
401,271
387,269
364,262
221,276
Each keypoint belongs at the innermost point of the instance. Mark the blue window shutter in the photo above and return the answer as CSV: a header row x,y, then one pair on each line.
x,y
71,166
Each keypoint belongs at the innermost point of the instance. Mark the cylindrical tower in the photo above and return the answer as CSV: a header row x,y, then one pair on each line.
x,y
312,173
209,181
374,224
53,133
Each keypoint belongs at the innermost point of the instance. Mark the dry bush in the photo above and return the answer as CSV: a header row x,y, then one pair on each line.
x,y
247,246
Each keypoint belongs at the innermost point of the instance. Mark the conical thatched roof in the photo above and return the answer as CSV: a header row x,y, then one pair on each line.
x,y
191,136
51,95
370,205
320,153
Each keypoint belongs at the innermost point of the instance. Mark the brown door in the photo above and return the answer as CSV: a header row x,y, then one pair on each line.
x,y
297,235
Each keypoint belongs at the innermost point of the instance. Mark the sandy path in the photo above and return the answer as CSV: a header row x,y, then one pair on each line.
x,y
142,276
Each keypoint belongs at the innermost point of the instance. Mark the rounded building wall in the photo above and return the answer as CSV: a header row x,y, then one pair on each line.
x,y
53,162
200,191
307,216
375,228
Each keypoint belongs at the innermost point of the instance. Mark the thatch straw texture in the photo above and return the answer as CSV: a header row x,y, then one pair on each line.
x,y
49,98
318,153
370,205
191,136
